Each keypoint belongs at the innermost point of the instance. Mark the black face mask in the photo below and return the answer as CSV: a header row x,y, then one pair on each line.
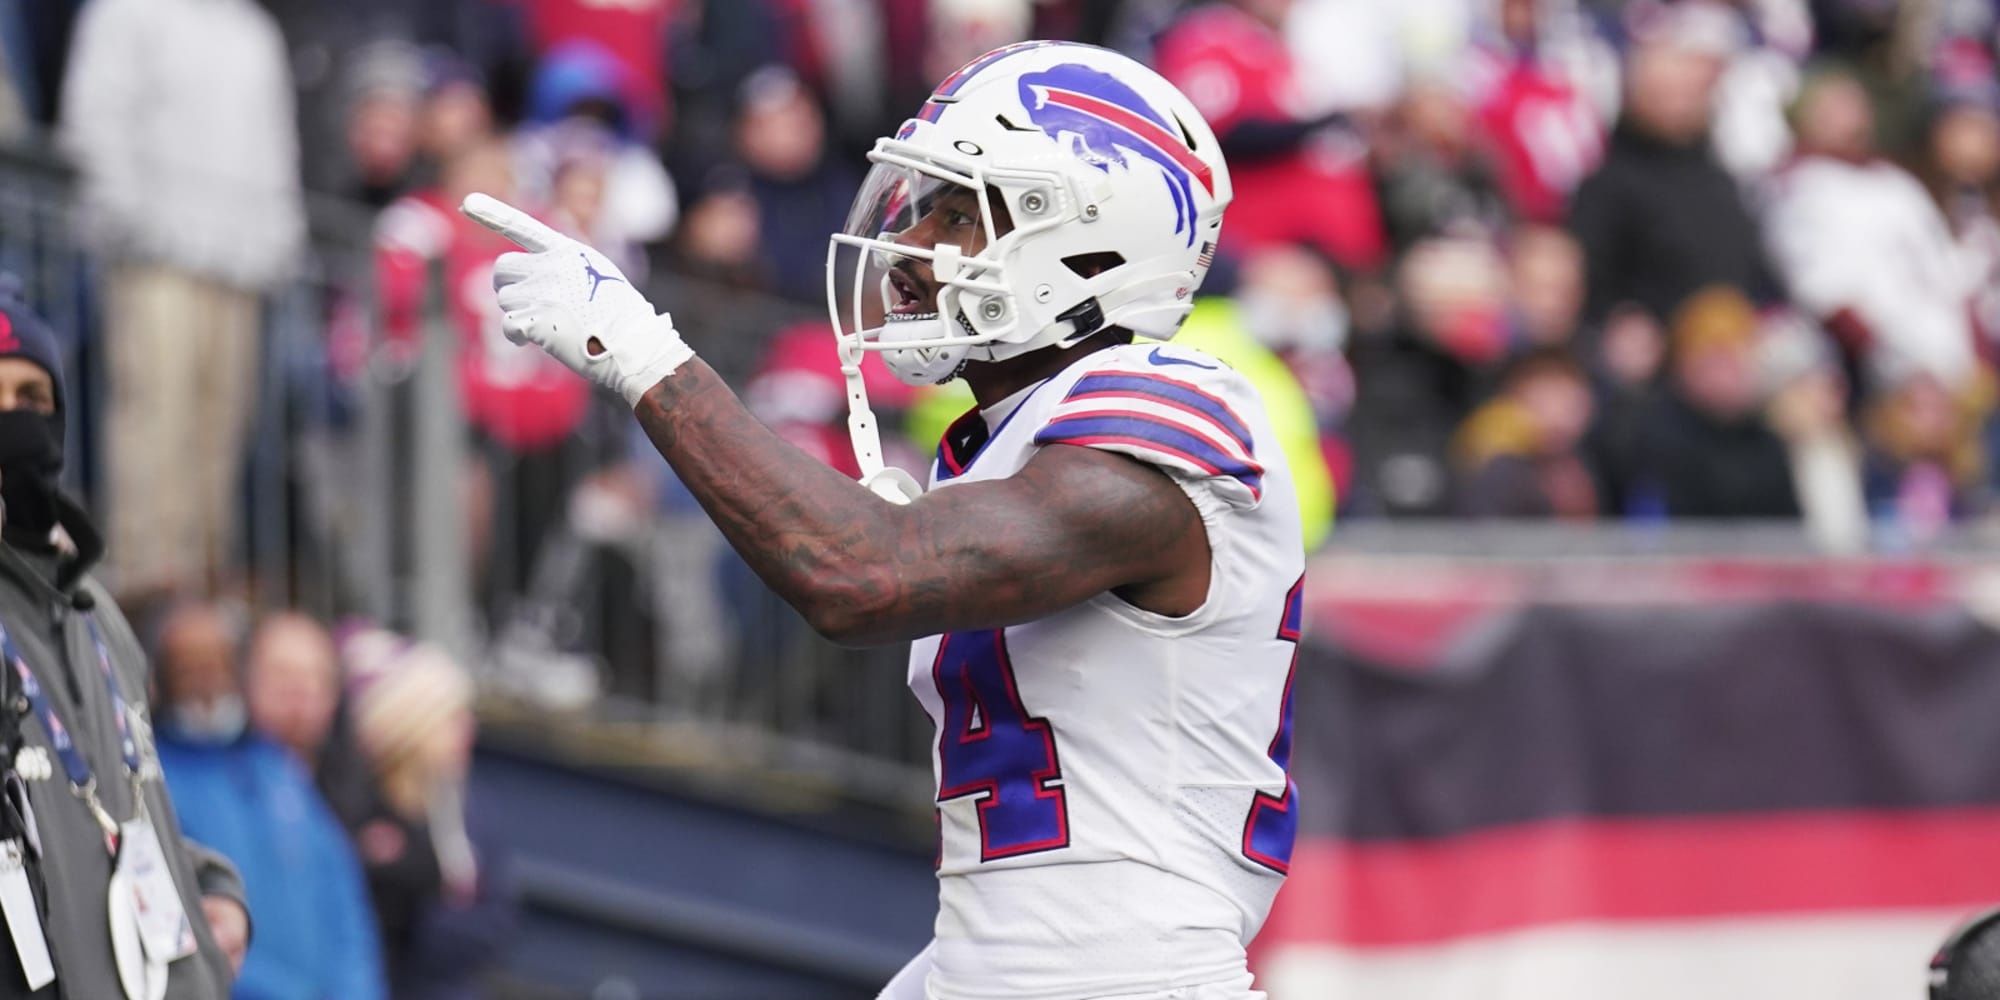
x,y
31,461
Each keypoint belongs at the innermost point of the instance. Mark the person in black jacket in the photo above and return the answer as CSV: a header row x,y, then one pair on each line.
x,y
1705,445
1661,217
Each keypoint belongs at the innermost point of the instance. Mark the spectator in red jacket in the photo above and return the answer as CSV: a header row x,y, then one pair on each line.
x,y
512,398
522,407
1536,120
1299,178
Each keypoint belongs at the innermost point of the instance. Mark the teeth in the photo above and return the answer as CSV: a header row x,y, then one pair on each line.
x,y
907,317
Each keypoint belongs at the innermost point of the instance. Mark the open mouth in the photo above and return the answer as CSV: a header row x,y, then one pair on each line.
x,y
907,300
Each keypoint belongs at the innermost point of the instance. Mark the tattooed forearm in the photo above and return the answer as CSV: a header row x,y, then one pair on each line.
x,y
800,525
1072,524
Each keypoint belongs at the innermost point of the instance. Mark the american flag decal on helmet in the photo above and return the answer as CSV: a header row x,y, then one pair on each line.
x,y
1207,258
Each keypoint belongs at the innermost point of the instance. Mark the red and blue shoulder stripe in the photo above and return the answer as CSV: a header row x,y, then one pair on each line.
x,y
1159,418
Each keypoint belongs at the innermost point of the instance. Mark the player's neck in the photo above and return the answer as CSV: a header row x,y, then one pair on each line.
x,y
993,381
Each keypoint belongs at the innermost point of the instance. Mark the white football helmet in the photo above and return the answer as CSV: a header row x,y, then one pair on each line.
x,y
1087,191
1045,192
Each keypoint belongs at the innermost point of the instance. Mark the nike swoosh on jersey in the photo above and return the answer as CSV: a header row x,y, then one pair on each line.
x,y
1160,359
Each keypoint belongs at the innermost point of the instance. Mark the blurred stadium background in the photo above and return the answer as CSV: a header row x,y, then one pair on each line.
x,y
1646,348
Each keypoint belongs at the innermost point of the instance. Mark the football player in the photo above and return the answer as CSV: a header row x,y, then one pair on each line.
x,y
1102,582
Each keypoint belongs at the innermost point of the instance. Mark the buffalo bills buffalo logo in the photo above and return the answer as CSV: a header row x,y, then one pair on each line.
x,y
1101,120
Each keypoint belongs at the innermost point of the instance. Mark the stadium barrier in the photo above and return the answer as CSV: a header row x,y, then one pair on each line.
x,y
1660,765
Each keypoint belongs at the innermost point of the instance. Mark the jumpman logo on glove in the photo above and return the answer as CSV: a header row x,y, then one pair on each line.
x,y
596,276
622,343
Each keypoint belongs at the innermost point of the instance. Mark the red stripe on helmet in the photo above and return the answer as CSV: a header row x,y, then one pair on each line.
x,y
1145,128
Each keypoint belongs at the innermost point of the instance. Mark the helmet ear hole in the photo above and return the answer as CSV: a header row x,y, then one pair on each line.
x,y
1090,265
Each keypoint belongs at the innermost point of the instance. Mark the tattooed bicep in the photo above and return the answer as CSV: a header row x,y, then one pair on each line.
x,y
1126,517
1073,523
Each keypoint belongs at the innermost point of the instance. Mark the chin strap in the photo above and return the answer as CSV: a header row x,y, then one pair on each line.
x,y
885,481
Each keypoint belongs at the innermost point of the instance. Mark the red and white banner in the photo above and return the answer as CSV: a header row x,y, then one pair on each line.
x,y
1790,788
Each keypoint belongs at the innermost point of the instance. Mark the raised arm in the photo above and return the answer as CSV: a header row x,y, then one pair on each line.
x,y
1073,523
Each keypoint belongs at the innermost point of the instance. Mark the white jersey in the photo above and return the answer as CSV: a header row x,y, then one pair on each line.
x,y
1113,806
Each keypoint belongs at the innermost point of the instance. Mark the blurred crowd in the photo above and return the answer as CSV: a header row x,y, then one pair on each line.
x,y
332,773
1573,259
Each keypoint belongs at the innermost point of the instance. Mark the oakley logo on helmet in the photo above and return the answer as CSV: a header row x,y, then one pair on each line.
x,y
1098,118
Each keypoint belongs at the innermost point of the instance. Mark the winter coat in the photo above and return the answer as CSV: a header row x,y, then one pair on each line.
x,y
249,799
1705,467
1659,222
1867,237
51,629
437,945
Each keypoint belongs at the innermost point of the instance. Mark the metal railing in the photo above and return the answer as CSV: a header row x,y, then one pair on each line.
x,y
305,547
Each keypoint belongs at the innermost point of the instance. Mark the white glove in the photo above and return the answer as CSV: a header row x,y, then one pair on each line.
x,y
570,301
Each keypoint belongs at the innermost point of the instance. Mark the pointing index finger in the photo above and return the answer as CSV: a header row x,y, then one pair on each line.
x,y
510,222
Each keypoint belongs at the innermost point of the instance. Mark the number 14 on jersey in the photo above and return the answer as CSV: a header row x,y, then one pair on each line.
x,y
989,746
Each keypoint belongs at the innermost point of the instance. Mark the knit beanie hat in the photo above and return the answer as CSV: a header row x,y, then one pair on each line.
x,y
399,690
24,335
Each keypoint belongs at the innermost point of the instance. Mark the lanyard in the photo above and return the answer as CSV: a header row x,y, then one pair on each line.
x,y
74,765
